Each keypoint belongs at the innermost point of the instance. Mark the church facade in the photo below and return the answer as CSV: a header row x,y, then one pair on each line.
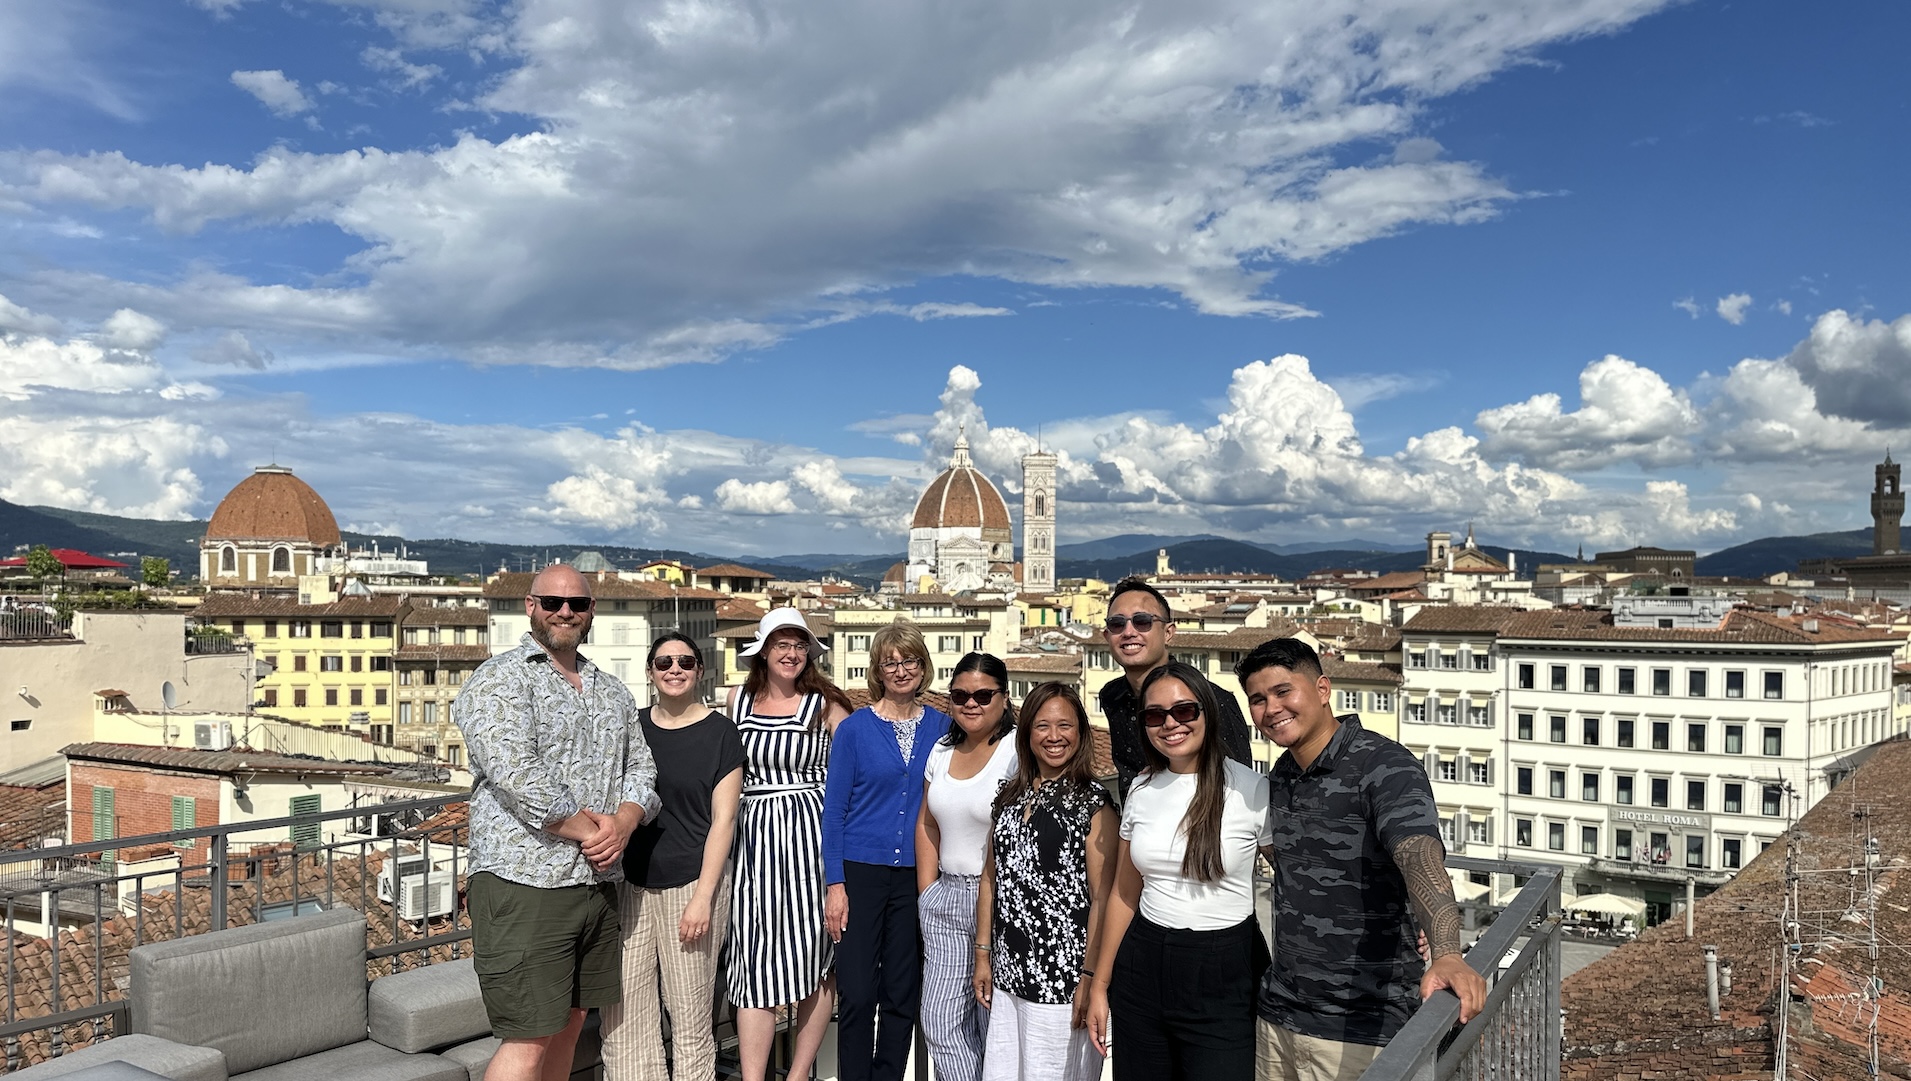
x,y
962,540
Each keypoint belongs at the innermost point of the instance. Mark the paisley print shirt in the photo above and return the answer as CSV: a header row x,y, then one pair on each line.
x,y
1041,890
541,751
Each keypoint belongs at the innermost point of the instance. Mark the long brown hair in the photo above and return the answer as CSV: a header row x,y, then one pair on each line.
x,y
1080,769
1201,826
810,680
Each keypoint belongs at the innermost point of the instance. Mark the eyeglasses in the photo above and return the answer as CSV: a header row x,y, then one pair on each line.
x,y
980,698
1143,621
909,664
580,605
683,661
1184,713
787,648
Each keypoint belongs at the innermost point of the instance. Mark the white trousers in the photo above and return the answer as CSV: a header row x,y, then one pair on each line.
x,y
1031,1041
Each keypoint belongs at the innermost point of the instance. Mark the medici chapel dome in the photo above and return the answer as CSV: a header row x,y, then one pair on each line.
x,y
274,505
961,497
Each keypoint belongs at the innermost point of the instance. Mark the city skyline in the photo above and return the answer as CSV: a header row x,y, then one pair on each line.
x,y
732,278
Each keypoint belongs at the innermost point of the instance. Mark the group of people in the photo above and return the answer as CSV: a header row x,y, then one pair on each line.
x,y
964,873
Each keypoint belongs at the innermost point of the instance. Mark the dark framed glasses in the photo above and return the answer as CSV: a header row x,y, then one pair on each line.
x,y
980,698
580,605
1183,713
1143,621
683,661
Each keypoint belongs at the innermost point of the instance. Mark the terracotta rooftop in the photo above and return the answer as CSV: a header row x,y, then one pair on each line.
x,y
1043,662
1739,625
27,813
231,605
237,760
444,652
1463,619
272,504
918,599
1336,669
462,615
515,585
732,570
1390,583
960,497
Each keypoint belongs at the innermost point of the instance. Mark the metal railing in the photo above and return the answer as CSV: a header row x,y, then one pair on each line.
x,y
65,986
25,624
1516,1037
201,643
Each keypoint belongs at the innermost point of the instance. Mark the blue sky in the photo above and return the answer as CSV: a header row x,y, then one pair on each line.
x,y
731,276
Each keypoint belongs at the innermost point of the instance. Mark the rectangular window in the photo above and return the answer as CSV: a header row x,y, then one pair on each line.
x,y
428,712
1624,736
298,663
298,698
1556,836
1662,681
1589,840
355,697
1734,684
185,817
1774,684
1772,802
1524,725
1589,787
1731,853
1449,770
1627,681
948,643
331,696
1349,701
404,713
1622,844
1525,682
1447,713
381,664
1556,729
1479,831
1557,678
1695,850
331,628
1774,741
1479,773
358,663
1449,659
975,642
1734,739
1523,832
859,643
271,628
301,628
1482,662
1661,735
1556,783
1479,716
1622,788
378,696
1589,679
331,662
404,677
358,628
1733,801
1417,713
1695,795
381,630
1589,731
431,675
1695,738
270,696
305,834
105,818
1416,658
1523,780
1383,701
1695,683
1661,791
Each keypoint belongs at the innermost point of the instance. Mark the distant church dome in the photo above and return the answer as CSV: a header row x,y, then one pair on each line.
x,y
272,504
961,498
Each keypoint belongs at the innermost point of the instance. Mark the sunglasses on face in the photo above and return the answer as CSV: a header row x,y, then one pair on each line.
x,y
682,660
1183,712
579,605
980,698
1143,621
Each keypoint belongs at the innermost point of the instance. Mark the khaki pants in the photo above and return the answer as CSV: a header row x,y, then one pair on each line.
x,y
1280,1055
661,974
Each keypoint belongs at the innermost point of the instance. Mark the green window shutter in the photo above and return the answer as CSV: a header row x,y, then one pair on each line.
x,y
305,834
104,823
185,817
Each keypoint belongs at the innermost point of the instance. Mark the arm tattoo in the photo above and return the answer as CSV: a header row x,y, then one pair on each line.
x,y
1422,863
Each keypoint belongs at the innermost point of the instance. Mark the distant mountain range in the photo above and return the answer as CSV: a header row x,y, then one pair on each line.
x,y
1107,559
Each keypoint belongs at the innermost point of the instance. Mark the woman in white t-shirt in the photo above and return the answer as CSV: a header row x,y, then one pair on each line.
x,y
965,771
1180,949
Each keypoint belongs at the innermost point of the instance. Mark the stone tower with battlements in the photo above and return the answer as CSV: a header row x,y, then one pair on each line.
x,y
1887,508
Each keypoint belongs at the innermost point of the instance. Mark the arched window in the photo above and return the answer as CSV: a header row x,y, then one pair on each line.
x,y
228,560
281,561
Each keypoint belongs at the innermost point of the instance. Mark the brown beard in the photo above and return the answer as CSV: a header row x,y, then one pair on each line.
x,y
544,635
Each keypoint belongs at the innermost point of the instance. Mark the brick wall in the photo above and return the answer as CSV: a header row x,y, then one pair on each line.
x,y
142,799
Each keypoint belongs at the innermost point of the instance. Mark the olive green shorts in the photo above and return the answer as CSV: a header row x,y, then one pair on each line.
x,y
541,953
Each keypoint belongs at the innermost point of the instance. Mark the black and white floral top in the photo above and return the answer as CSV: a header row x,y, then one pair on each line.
x,y
1041,890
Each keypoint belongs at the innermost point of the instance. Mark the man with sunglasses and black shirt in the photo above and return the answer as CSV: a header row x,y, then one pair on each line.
x,y
560,776
1138,630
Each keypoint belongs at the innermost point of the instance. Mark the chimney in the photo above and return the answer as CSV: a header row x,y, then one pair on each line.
x,y
1712,981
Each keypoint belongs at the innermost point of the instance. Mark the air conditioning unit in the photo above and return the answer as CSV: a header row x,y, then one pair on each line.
x,y
398,869
423,896
212,735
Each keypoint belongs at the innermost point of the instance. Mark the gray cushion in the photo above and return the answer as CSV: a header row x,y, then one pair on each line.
x,y
427,1007
475,1055
163,1057
362,1061
263,994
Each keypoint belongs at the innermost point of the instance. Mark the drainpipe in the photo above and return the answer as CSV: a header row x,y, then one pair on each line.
x,y
1712,981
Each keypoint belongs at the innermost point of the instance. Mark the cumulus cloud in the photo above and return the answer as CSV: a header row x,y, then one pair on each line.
x,y
1627,413
1857,367
824,480
750,173
128,329
233,349
1732,308
1688,305
13,317
276,92
758,497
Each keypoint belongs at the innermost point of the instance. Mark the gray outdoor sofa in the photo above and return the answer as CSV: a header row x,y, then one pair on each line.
x,y
289,1001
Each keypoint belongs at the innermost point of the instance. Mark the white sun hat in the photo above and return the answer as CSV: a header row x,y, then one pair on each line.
x,y
778,620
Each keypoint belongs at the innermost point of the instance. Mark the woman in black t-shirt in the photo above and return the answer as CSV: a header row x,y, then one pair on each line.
x,y
675,899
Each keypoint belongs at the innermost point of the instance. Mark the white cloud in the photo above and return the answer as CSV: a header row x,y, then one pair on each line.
x,y
47,46
128,329
392,62
31,366
1857,367
1732,308
824,480
1627,413
1784,306
1688,305
13,317
1364,389
233,349
276,92
759,497
219,8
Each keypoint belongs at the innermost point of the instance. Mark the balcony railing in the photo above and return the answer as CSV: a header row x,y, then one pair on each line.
x,y
33,623
202,643
1517,1036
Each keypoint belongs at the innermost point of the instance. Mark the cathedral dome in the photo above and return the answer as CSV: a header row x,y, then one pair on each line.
x,y
961,497
272,504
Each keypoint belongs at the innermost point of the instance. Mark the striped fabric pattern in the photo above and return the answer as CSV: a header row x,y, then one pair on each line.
x,y
777,951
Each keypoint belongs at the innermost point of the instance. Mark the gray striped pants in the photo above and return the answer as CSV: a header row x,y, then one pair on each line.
x,y
954,1024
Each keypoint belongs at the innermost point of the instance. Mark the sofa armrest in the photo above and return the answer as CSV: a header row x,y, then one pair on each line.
x,y
425,1008
179,1061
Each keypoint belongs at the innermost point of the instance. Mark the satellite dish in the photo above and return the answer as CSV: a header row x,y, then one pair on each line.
x,y
169,695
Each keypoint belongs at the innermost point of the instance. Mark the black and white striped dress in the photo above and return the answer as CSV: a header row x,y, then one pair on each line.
x,y
778,951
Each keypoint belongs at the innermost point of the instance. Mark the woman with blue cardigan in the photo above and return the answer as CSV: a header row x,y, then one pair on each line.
x,y
870,804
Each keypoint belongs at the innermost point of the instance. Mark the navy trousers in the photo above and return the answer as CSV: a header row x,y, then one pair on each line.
x,y
878,973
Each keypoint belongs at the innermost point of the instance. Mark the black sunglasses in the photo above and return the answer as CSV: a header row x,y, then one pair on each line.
x,y
682,660
1143,621
980,698
1182,712
579,605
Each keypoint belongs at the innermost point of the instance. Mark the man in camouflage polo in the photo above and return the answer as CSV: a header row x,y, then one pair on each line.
x,y
1358,861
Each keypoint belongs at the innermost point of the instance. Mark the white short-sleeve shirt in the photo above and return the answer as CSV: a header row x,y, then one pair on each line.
x,y
1151,824
961,806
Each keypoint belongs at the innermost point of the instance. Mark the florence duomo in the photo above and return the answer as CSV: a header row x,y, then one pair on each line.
x,y
961,539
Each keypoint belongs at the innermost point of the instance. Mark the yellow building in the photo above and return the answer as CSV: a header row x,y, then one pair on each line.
x,y
667,570
1370,690
330,664
438,649
951,626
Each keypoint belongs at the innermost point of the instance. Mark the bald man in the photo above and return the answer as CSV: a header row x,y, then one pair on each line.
x,y
560,777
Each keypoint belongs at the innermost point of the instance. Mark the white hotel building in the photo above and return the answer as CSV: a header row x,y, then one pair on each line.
x,y
1666,739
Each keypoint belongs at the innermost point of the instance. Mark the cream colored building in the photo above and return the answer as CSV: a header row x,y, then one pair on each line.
x,y
1451,707
630,611
1029,670
950,626
960,537
438,649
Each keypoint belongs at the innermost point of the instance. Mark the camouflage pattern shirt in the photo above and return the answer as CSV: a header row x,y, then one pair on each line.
x,y
1346,965
541,750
